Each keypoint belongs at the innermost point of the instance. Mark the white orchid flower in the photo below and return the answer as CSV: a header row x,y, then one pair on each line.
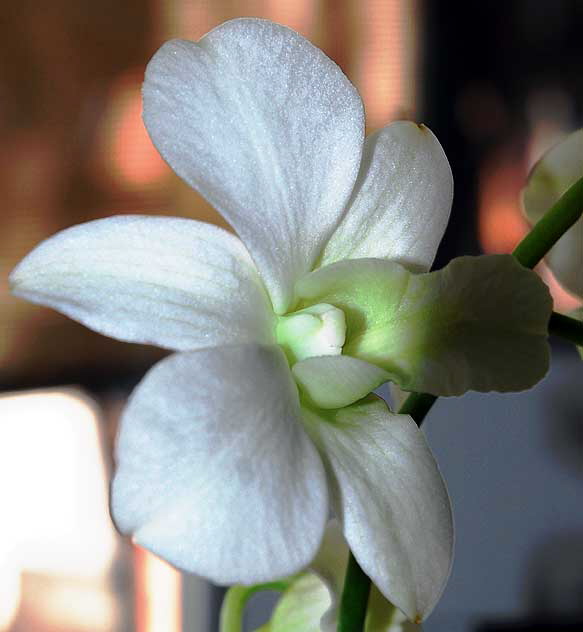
x,y
234,450
552,175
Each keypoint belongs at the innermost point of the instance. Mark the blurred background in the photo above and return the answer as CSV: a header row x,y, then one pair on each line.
x,y
498,82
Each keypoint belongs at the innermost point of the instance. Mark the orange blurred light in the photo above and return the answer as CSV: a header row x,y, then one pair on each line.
x,y
501,224
297,14
188,19
386,58
127,154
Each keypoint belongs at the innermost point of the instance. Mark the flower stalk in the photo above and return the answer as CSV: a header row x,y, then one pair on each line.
x,y
355,596
555,223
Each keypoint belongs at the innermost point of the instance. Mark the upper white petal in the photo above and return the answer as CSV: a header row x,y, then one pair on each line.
x,y
391,500
557,170
170,282
268,129
401,202
214,471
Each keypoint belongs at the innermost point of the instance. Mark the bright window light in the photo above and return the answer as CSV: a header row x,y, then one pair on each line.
x,y
53,491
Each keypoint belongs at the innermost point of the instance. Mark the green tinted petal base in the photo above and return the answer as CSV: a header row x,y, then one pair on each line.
x,y
479,324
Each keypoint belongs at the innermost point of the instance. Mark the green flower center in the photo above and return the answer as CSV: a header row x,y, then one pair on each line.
x,y
318,330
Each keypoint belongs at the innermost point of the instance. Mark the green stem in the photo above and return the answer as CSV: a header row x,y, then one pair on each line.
x,y
556,221
236,599
567,328
354,598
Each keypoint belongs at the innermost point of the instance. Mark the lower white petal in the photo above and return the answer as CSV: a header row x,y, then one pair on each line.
x,y
171,282
214,471
391,500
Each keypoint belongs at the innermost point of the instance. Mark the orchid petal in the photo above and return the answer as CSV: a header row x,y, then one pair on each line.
x,y
337,381
401,202
214,471
268,129
390,499
558,169
170,282
480,323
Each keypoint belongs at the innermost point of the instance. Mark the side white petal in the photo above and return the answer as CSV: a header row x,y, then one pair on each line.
x,y
337,381
171,282
558,169
391,500
401,202
214,471
268,129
